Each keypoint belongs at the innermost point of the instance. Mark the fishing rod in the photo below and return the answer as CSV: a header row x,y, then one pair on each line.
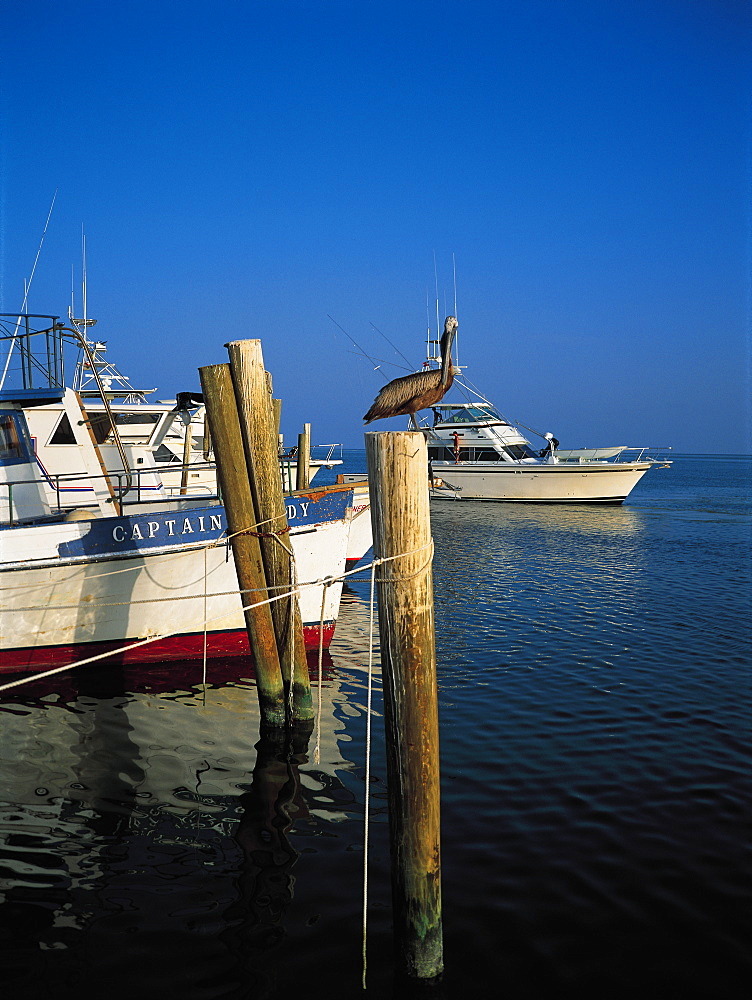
x,y
396,349
376,366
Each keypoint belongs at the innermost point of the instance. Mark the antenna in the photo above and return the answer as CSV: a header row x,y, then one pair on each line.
x,y
91,353
454,277
429,354
27,286
83,268
436,282
27,289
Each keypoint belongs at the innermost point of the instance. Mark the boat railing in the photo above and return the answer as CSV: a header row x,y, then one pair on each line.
x,y
31,351
615,456
159,484
327,453
69,491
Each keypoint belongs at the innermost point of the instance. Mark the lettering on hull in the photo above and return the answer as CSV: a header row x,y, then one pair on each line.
x,y
138,534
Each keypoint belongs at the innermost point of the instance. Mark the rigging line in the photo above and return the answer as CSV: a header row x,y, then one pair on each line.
x,y
531,429
187,597
27,289
383,361
172,599
291,616
352,339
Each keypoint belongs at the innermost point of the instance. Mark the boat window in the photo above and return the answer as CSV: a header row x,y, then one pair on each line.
x,y
12,449
441,454
99,422
163,454
520,451
485,413
136,418
446,454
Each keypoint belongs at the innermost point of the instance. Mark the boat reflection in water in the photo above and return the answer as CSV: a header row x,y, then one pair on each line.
x,y
145,804
510,572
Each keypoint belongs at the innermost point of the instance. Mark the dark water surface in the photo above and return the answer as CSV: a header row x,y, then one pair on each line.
x,y
596,714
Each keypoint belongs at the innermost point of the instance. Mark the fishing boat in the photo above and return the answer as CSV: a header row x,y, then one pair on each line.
x,y
158,453
149,582
476,454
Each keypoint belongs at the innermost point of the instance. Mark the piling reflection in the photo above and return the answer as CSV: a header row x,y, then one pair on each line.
x,y
255,921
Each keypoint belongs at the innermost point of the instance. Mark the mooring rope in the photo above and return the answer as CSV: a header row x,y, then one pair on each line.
x,y
203,677
367,794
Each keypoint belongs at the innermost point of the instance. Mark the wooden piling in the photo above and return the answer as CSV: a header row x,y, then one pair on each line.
x,y
397,474
303,480
219,398
253,395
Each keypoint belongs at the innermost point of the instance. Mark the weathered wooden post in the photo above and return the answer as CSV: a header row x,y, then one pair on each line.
x,y
253,395
219,398
303,480
397,474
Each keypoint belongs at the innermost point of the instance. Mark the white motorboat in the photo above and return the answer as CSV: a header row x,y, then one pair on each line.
x,y
477,454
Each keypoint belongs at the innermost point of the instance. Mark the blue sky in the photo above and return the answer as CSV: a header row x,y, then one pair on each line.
x,y
248,169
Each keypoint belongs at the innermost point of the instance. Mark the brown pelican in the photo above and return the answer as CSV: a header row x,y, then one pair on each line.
x,y
415,392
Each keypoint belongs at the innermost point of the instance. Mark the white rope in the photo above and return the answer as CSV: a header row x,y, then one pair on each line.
x,y
367,796
203,677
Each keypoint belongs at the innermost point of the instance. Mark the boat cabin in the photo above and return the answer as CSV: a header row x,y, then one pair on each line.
x,y
475,432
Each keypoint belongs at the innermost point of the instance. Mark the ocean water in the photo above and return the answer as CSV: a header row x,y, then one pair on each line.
x,y
596,748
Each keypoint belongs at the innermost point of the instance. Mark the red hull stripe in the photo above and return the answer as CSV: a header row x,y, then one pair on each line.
x,y
176,647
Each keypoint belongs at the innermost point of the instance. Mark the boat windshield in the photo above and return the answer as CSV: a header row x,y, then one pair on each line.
x,y
464,414
520,451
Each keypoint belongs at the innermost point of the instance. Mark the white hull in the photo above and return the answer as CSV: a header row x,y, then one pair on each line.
x,y
58,609
361,536
597,482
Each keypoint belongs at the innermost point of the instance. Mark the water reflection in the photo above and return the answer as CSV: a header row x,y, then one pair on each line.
x,y
569,519
521,587
255,920
132,806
